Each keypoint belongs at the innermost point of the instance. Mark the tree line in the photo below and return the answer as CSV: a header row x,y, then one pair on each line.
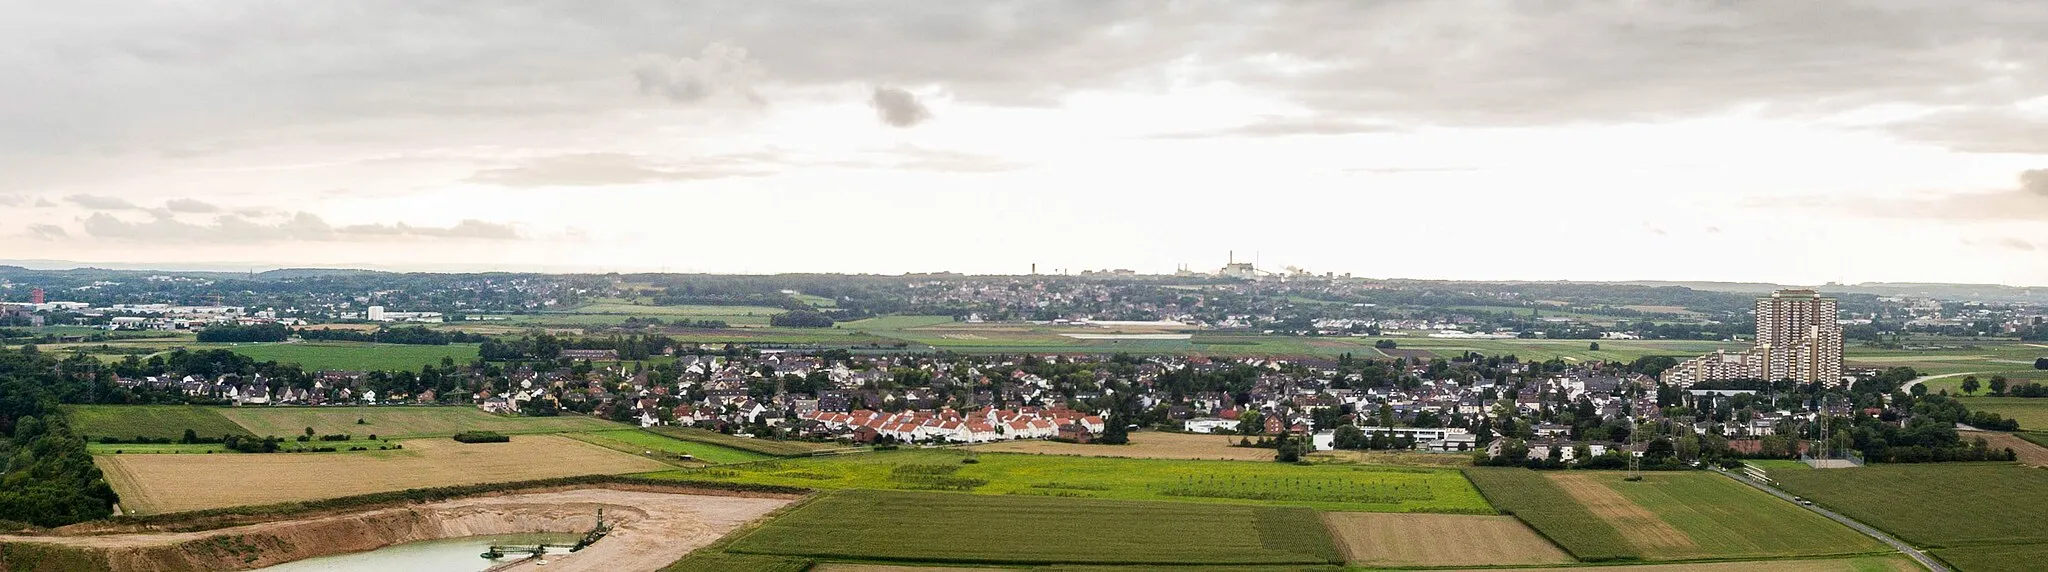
x,y
407,335
50,479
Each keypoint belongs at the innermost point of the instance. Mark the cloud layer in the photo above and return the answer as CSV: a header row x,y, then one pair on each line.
x,y
299,227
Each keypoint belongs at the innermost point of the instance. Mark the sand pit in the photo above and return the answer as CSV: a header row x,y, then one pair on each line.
x,y
652,530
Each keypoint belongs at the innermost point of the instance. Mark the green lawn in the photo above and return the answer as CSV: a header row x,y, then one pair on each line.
x,y
1325,487
1665,516
952,528
1996,558
637,442
402,422
1936,505
153,421
768,447
315,356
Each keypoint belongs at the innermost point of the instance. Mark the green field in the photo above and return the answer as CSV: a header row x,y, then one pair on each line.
x,y
1977,516
1665,516
2031,412
952,528
768,447
402,422
1531,497
291,444
640,442
315,356
152,421
1569,350
1326,487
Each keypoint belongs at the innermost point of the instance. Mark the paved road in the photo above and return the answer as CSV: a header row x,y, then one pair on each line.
x,y
1907,549
1908,387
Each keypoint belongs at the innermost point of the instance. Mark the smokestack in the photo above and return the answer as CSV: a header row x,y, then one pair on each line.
x,y
1034,269
1233,258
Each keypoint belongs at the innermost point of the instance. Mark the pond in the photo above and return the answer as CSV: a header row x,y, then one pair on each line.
x,y
453,555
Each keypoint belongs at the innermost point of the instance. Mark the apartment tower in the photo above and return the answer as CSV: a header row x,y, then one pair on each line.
x,y
1797,338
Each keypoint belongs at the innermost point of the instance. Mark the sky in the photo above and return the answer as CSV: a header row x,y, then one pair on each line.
x,y
1727,140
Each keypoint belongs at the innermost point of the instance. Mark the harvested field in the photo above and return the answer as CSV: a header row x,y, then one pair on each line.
x,y
1383,539
1647,533
1862,564
402,421
652,530
171,483
1145,445
2030,454
763,446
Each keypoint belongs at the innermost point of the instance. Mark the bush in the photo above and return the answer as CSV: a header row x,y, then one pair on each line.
x,y
481,437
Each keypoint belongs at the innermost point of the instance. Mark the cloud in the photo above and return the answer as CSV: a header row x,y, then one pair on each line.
x,y
720,68
1997,130
898,108
298,227
597,169
190,206
12,200
43,203
2026,202
104,203
2016,244
47,231
1288,127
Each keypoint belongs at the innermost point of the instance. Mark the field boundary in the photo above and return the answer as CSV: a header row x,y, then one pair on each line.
x,y
211,519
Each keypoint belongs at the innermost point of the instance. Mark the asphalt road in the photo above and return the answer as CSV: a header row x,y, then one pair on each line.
x,y
1907,549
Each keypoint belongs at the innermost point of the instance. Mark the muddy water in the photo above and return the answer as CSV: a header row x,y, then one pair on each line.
x,y
451,555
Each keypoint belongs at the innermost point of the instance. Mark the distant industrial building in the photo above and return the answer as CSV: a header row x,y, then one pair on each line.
x,y
1798,337
379,314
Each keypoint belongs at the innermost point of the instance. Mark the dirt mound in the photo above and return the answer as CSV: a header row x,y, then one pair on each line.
x,y
651,530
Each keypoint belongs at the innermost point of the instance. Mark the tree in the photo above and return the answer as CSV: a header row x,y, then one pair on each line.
x,y
1251,423
1998,385
1385,344
1593,347
1970,384
2041,363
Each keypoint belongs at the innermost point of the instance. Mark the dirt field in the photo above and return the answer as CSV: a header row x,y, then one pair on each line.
x,y
1389,539
1145,445
1865,564
2030,454
171,483
1643,529
651,530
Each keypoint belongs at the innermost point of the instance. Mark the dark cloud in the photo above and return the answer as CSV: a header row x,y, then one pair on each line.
x,y
717,70
1474,62
47,231
299,227
1287,128
190,206
103,203
594,169
898,108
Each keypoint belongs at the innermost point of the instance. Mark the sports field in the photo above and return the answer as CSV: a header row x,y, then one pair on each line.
x,y
1355,488
643,443
352,356
763,446
1406,540
954,528
1665,516
401,421
152,421
171,483
1979,516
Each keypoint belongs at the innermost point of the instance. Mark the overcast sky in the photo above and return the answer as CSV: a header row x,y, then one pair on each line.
x,y
1796,142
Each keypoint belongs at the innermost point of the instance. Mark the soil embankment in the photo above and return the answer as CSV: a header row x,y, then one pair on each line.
x,y
651,530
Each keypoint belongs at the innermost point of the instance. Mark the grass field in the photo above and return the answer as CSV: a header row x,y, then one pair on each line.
x,y
171,483
315,356
1936,505
153,421
2031,412
1324,487
1666,516
763,446
640,442
1406,540
954,528
1144,445
402,422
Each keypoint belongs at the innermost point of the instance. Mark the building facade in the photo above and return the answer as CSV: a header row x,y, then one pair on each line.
x,y
1798,338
